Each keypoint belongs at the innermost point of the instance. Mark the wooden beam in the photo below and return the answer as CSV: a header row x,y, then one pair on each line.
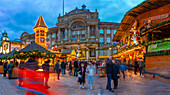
x,y
153,4
136,12
126,23
147,7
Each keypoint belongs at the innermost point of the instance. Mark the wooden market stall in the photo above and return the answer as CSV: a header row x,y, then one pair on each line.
x,y
1,66
38,53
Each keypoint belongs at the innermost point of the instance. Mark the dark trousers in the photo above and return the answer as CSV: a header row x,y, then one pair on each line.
x,y
123,74
58,74
109,81
9,74
5,71
140,69
115,83
96,68
75,72
135,70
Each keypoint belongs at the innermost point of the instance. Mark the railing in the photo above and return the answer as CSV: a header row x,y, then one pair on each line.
x,y
76,41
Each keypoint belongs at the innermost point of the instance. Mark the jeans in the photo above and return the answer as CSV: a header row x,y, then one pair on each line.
x,y
123,74
9,74
62,71
109,76
141,68
90,80
5,71
75,72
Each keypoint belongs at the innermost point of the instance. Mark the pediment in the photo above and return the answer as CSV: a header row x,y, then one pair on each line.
x,y
77,11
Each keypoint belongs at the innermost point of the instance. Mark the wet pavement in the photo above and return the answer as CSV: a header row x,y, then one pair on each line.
x,y
68,85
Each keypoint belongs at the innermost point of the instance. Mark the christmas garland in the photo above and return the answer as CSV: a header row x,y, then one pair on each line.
x,y
157,41
158,53
128,48
154,26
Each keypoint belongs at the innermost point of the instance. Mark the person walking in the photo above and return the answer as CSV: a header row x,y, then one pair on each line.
x,y
70,68
141,63
115,74
109,69
10,68
62,68
45,67
123,68
57,69
76,66
135,66
21,71
5,69
81,75
90,70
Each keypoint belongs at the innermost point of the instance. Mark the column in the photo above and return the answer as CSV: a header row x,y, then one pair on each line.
x,y
97,33
69,37
87,53
59,32
105,36
88,29
78,51
111,40
97,53
66,34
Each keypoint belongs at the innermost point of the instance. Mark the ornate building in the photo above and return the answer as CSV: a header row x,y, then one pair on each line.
x,y
80,29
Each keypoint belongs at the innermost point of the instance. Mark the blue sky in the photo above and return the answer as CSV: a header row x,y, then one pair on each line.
x,y
18,16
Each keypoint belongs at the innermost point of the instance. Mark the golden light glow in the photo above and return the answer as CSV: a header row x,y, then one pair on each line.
x,y
40,70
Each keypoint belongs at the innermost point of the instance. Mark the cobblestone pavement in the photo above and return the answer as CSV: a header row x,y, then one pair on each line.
x,y
67,85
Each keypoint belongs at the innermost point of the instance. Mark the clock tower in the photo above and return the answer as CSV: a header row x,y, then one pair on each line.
x,y
40,32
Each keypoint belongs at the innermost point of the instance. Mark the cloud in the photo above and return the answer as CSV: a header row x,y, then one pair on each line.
x,y
21,16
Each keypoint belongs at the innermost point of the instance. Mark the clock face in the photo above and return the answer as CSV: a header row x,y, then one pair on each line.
x,y
42,40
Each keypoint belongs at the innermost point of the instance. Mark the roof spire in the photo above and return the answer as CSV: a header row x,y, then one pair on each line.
x,y
40,23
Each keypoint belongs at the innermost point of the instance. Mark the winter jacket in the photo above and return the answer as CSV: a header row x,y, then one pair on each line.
x,y
46,66
115,71
90,69
10,66
109,66
5,66
63,65
123,67
76,64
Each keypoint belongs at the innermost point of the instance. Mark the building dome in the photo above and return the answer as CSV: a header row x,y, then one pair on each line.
x,y
4,34
83,6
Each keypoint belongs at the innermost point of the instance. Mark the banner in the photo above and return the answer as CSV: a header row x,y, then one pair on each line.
x,y
159,46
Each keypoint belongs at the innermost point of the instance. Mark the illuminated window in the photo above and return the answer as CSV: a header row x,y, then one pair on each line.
x,y
93,30
78,32
53,35
92,37
108,40
48,36
108,31
74,33
114,32
101,31
101,40
101,52
53,43
83,32
108,52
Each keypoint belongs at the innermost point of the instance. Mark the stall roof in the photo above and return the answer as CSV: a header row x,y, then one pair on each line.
x,y
10,53
1,54
129,17
66,51
34,47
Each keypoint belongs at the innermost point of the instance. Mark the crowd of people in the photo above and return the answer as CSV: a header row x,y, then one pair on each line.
x,y
77,68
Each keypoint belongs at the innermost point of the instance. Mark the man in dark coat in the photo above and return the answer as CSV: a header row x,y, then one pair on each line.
x,y
5,68
109,66
115,74
45,67
57,68
135,66
76,66
62,68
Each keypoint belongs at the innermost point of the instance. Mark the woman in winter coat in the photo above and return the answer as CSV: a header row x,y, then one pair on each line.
x,y
81,75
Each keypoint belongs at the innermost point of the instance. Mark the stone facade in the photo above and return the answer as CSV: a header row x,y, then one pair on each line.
x,y
81,29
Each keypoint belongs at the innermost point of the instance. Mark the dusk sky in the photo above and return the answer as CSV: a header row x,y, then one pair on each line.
x,y
18,16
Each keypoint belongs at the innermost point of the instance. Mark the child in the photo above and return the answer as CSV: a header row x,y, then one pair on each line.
x,y
81,76
90,70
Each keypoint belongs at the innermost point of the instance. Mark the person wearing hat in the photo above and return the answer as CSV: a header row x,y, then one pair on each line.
x,y
45,67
